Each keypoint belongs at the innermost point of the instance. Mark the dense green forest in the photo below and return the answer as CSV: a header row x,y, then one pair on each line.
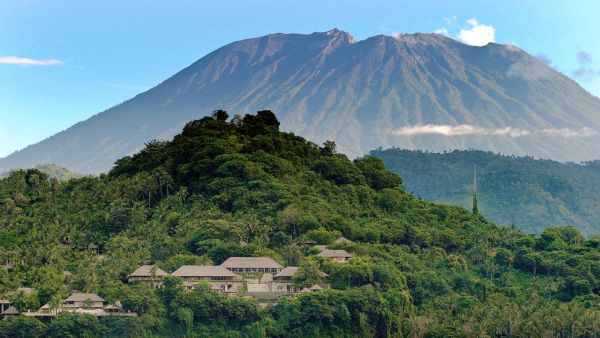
x,y
529,193
240,187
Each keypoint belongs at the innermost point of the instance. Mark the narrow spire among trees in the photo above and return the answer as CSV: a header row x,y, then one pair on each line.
x,y
475,206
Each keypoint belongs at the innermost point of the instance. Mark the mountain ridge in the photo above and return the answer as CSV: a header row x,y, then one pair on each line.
x,y
531,194
361,94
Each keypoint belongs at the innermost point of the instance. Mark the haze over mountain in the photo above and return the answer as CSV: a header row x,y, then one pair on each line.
x,y
423,91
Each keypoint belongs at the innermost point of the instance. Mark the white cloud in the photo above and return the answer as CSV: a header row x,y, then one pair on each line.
x,y
478,34
450,20
442,31
14,60
470,130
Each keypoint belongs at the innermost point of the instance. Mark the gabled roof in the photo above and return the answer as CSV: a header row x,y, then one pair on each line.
x,y
290,271
11,311
146,271
342,240
320,247
112,307
316,287
5,301
25,290
335,253
203,271
251,262
82,297
46,306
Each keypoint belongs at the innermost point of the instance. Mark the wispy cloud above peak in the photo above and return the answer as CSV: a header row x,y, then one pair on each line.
x,y
470,130
15,60
478,34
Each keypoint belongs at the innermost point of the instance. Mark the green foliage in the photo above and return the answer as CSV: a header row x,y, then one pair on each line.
x,y
529,193
309,274
243,188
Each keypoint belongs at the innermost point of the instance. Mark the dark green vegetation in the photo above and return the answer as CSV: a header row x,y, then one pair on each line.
x,y
241,187
328,86
531,194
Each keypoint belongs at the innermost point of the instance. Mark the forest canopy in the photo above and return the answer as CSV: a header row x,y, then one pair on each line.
x,y
240,187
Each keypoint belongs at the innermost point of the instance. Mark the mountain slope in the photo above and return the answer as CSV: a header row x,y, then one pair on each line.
x,y
532,194
53,171
382,91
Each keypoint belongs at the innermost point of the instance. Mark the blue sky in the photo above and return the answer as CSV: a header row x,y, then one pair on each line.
x,y
62,61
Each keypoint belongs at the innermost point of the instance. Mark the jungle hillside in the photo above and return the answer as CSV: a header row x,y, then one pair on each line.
x,y
238,186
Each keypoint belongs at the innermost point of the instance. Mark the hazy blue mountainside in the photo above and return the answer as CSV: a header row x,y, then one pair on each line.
x,y
53,171
382,91
532,194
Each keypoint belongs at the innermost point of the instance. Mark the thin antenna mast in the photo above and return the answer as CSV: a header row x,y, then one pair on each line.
x,y
475,206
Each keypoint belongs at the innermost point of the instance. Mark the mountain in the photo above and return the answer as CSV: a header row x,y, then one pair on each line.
x,y
242,188
416,91
531,194
53,171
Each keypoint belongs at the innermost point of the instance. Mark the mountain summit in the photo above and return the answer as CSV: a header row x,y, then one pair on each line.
x,y
423,91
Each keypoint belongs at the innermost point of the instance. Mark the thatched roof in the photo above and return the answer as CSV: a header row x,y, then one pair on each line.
x,y
342,240
5,301
82,297
146,271
290,271
252,263
11,311
112,307
316,287
203,271
335,254
25,290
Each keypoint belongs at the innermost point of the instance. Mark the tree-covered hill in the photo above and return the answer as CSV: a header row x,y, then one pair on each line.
x,y
529,193
241,187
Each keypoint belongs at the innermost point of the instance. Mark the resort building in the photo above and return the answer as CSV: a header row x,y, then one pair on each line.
x,y
341,256
84,301
252,264
216,275
342,240
4,304
150,274
11,311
